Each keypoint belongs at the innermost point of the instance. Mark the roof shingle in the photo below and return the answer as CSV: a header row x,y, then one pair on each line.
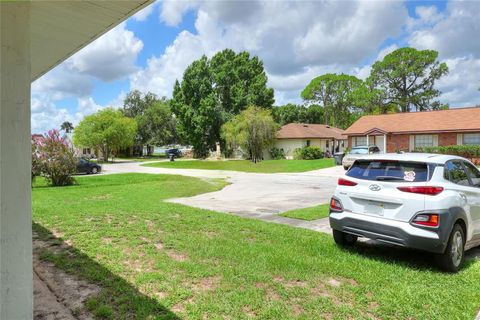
x,y
309,131
456,120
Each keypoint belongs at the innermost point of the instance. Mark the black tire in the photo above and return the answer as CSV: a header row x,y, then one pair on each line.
x,y
344,239
94,170
452,259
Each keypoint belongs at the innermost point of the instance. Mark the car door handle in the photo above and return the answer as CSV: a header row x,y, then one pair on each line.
x,y
463,196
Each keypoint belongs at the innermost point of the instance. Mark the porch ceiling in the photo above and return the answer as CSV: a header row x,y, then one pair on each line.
x,y
58,29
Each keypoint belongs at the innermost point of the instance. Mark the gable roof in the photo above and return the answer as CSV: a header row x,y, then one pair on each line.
x,y
453,120
309,131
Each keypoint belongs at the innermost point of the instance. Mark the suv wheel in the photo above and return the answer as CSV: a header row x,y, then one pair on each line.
x,y
94,170
452,259
344,239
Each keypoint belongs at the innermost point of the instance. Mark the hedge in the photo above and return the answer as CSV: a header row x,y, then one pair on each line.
x,y
308,153
462,151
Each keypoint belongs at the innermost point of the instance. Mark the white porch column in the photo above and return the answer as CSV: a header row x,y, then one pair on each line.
x,y
16,292
385,143
368,140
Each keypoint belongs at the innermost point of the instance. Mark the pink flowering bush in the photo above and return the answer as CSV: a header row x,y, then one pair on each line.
x,y
56,160
36,163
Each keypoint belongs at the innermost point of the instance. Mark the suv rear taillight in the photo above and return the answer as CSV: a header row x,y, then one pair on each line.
x,y
345,182
427,190
336,205
426,219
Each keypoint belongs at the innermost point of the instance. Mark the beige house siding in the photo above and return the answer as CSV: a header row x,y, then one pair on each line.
x,y
289,146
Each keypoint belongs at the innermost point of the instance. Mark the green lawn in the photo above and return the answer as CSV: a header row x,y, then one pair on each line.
x,y
267,166
159,260
310,213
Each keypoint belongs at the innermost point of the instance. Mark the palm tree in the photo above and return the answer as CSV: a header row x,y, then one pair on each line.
x,y
67,127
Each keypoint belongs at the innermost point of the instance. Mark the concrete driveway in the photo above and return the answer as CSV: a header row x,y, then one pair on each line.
x,y
251,193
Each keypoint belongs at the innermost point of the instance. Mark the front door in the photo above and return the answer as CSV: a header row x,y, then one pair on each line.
x,y
380,143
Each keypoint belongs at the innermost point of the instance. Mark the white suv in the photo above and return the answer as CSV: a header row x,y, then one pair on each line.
x,y
429,202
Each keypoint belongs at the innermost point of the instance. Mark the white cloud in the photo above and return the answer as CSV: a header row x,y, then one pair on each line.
x,y
110,57
294,39
453,34
46,116
460,87
172,11
62,83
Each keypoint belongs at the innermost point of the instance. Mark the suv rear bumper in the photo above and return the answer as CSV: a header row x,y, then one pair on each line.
x,y
389,231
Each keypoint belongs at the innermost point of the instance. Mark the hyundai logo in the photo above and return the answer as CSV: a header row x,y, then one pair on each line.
x,y
375,187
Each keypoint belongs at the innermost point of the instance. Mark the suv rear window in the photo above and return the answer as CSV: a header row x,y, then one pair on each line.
x,y
386,170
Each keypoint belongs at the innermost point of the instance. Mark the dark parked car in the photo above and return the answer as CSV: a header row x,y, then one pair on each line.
x,y
85,166
173,151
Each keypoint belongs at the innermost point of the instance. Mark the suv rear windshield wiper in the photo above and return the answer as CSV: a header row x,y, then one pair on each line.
x,y
387,178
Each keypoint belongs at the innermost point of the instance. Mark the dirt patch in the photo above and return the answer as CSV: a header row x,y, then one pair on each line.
x,y
321,291
297,310
158,245
249,312
294,283
181,306
139,266
58,295
150,224
100,197
177,256
211,234
338,281
206,284
107,240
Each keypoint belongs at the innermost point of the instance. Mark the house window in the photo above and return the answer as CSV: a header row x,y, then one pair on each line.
x,y
471,138
327,143
360,141
423,140
308,143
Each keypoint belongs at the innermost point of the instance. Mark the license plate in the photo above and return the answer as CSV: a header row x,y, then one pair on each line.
x,y
374,208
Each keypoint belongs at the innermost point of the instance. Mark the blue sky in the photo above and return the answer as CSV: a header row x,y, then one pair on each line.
x,y
296,40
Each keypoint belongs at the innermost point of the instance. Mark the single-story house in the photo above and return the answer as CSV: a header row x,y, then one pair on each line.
x,y
408,131
297,135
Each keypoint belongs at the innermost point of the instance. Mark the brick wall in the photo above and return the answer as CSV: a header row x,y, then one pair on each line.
x,y
397,142
401,142
447,139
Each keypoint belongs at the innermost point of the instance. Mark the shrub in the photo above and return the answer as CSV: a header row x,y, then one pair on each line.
x,y
308,153
457,150
36,162
57,161
277,154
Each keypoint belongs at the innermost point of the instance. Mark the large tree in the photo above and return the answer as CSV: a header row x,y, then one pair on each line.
x,y
157,125
253,130
334,93
292,113
214,90
287,113
136,103
108,130
405,79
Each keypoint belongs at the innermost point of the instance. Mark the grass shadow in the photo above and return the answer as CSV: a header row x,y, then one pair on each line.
x,y
411,258
118,299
